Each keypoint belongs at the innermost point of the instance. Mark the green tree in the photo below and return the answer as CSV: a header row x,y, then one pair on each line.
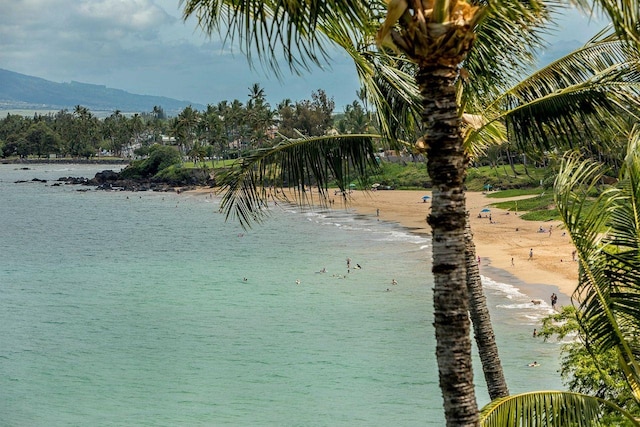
x,y
84,132
184,128
213,131
117,132
603,224
159,158
604,232
259,117
11,129
356,119
42,140
137,127
582,369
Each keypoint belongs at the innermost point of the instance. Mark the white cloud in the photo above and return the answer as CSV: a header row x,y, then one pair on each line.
x,y
122,16
144,46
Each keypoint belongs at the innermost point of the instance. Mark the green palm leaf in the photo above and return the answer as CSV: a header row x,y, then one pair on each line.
x,y
581,93
548,408
605,234
298,164
624,16
277,30
505,46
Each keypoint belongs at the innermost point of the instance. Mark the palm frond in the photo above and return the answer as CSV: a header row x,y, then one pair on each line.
x,y
276,30
257,180
387,80
548,408
607,291
577,95
481,133
624,16
504,50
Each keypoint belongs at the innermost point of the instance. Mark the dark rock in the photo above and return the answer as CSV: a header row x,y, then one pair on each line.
x,y
109,180
106,176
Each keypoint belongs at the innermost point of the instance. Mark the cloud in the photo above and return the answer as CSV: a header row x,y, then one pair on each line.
x,y
145,47
76,38
129,16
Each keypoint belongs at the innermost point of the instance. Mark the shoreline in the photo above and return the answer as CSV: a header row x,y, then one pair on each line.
x,y
500,239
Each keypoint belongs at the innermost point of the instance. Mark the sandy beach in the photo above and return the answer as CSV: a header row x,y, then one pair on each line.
x,y
504,238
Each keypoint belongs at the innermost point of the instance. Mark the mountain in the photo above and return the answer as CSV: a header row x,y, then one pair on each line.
x,y
22,92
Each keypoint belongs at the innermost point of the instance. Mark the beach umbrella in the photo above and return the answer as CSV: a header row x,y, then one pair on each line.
x,y
376,185
426,197
352,186
485,210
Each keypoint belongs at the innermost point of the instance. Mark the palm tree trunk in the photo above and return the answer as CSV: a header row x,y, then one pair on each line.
x,y
481,320
446,163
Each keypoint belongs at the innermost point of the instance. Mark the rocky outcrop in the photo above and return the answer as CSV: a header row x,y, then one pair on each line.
x,y
111,181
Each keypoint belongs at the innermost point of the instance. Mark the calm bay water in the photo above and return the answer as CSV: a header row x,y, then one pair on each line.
x,y
123,309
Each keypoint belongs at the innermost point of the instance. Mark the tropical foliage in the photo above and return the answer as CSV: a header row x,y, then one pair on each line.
x,y
606,237
603,223
550,408
585,371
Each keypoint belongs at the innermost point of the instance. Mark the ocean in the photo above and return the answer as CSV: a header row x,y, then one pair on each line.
x,y
148,309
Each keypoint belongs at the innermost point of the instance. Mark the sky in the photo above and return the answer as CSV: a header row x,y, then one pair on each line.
x,y
145,47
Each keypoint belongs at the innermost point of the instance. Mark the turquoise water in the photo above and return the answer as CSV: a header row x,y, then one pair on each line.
x,y
121,309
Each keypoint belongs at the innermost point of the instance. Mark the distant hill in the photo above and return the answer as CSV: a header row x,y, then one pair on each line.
x,y
22,92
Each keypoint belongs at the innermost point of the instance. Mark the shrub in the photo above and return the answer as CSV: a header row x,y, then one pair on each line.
x,y
160,158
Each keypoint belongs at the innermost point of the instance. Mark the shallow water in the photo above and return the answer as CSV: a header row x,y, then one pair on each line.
x,y
133,309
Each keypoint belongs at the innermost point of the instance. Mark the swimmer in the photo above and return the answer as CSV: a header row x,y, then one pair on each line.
x,y
534,364
394,282
297,281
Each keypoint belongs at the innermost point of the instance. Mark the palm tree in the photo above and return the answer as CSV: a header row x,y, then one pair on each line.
x,y
608,249
437,37
603,225
481,320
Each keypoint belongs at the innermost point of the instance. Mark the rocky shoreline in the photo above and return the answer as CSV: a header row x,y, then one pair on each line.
x,y
109,180
92,161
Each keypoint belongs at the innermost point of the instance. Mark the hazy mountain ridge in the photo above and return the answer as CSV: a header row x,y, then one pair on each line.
x,y
20,91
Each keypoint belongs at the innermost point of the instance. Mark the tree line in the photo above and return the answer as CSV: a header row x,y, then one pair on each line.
x,y
224,130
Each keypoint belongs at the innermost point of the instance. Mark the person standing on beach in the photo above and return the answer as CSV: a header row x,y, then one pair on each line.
x,y
530,254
